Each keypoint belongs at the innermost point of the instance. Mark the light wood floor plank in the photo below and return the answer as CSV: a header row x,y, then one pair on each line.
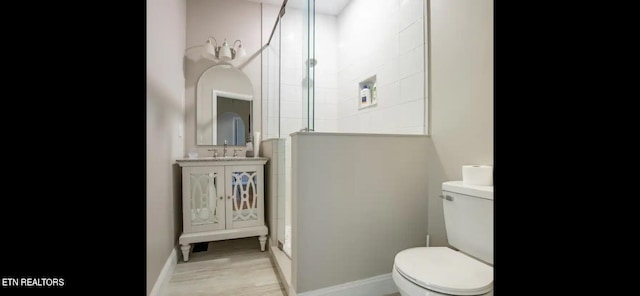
x,y
231,267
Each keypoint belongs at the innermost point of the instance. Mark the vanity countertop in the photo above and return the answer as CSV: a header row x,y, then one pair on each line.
x,y
211,158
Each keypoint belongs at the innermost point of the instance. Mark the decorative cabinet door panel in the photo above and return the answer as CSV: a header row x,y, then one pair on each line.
x,y
244,191
203,200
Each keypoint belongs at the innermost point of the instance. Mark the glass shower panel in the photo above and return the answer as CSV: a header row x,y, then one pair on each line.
x,y
308,91
296,90
271,86
288,96
292,118
272,115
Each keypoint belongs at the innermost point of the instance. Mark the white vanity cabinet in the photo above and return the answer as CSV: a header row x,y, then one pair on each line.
x,y
222,199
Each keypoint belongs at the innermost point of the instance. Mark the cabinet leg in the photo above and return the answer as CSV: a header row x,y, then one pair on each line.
x,y
185,251
263,242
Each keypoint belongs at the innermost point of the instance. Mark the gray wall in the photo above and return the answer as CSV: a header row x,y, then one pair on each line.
x,y
222,19
461,96
166,23
358,199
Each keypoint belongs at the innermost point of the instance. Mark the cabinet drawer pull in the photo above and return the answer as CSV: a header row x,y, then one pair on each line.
x,y
229,197
221,197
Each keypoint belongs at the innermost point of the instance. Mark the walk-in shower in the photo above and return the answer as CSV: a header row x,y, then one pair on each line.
x,y
320,55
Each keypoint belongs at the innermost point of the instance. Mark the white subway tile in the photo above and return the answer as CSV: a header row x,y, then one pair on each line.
x,y
390,26
326,125
320,95
406,64
393,116
339,124
349,72
332,95
412,114
410,11
343,75
347,124
391,48
326,111
369,117
383,50
378,119
412,36
412,62
356,124
342,110
273,130
289,125
291,93
348,107
419,56
291,109
389,72
326,80
412,87
343,91
291,59
291,75
388,94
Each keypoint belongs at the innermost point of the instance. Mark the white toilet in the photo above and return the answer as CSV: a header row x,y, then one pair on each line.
x,y
429,271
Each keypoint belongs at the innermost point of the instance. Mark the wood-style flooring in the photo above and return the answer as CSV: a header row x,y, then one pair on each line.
x,y
231,267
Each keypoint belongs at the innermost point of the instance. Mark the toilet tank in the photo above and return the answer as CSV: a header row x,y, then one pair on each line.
x,y
468,218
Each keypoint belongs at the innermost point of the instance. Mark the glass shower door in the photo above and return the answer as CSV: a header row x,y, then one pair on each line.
x,y
296,94
288,97
308,52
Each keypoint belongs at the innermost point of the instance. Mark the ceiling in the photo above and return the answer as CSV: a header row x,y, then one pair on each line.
x,y
331,7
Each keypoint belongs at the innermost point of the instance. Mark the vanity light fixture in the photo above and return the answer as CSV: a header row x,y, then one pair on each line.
x,y
224,52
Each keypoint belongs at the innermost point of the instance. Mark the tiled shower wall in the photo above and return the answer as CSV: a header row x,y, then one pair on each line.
x,y
384,38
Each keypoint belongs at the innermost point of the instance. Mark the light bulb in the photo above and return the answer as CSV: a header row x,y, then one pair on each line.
x,y
209,51
241,51
225,51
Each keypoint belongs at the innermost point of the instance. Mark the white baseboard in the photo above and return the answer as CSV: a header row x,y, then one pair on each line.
x,y
374,286
160,287
283,266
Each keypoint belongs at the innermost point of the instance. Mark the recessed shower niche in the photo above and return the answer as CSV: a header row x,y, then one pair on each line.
x,y
367,93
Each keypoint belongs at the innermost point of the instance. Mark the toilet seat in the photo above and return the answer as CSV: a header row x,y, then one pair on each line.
x,y
444,270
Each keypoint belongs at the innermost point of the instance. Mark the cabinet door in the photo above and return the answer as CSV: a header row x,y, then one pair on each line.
x,y
203,198
245,199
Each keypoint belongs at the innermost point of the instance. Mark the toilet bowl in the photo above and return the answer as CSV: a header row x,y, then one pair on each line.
x,y
440,271
429,271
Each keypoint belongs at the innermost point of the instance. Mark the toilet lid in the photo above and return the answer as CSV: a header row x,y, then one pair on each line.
x,y
442,269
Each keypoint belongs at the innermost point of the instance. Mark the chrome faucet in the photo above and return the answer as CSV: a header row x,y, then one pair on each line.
x,y
224,152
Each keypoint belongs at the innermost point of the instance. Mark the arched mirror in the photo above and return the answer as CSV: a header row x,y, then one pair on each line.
x,y
224,100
